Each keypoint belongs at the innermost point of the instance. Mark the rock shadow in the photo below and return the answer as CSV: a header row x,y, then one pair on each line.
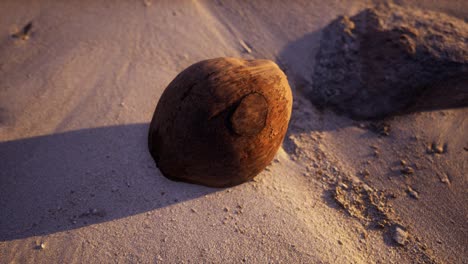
x,y
297,61
65,181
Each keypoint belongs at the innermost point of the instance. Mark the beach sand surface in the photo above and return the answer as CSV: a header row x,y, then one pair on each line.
x,y
78,185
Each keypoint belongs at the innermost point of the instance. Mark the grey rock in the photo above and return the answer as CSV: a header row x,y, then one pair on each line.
x,y
381,60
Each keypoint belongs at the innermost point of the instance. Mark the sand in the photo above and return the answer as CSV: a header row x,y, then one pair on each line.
x,y
77,183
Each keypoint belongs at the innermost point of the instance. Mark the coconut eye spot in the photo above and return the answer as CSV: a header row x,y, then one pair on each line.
x,y
249,118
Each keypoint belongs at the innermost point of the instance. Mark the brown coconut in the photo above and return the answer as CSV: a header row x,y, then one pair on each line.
x,y
220,122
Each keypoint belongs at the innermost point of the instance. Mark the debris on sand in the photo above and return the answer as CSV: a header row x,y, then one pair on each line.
x,y
379,61
364,173
362,202
40,246
380,127
444,178
245,46
24,32
147,3
93,212
407,170
412,193
371,207
436,148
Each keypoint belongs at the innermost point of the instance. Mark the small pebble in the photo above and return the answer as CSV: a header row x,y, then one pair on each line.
x,y
444,178
412,193
407,170
367,188
365,173
147,3
364,235
435,148
40,246
400,236
245,46
439,149
25,32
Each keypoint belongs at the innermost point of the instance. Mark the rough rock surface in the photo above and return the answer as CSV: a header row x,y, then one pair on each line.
x,y
380,60
221,121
